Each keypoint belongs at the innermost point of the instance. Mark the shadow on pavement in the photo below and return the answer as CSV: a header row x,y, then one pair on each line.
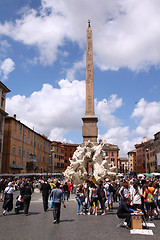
x,y
67,220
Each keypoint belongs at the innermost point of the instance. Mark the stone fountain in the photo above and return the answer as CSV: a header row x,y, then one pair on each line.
x,y
89,153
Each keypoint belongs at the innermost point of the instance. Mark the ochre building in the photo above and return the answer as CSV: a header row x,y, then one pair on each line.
x,y
25,151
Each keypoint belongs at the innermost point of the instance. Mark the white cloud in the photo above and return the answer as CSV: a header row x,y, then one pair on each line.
x,y
6,67
122,137
4,46
77,66
57,111
105,110
126,33
147,117
52,111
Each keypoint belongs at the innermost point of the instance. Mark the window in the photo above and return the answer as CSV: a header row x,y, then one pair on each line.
x,y
2,102
27,153
112,154
14,150
23,154
21,127
20,136
19,152
15,134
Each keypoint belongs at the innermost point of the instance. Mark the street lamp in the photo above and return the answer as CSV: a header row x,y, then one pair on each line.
x,y
148,164
51,163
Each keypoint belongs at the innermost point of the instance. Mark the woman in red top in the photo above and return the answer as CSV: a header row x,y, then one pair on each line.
x,y
69,189
145,196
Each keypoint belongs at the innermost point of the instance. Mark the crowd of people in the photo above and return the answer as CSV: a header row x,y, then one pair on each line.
x,y
55,190
92,197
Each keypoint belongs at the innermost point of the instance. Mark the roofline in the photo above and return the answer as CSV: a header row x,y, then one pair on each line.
x,y
4,87
9,117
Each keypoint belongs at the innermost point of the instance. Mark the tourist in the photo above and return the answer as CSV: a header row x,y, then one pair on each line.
x,y
137,195
93,199
2,187
102,197
109,189
57,196
80,198
8,198
45,190
65,191
69,189
26,193
150,200
124,192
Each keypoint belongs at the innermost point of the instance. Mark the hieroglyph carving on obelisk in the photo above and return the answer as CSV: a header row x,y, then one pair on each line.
x,y
89,75
89,129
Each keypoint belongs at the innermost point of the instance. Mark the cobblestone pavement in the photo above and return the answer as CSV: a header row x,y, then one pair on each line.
x,y
38,224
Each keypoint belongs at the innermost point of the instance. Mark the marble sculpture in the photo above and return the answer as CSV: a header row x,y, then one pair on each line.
x,y
85,153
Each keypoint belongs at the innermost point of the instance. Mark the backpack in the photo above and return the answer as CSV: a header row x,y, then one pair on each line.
x,y
150,198
95,194
101,193
111,188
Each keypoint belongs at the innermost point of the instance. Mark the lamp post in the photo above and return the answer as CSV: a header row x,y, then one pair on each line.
x,y
51,163
148,164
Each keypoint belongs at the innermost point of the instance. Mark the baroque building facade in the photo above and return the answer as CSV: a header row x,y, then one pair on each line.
x,y
112,151
157,150
3,91
25,151
132,161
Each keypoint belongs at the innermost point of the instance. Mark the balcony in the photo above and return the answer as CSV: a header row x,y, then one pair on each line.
x,y
16,166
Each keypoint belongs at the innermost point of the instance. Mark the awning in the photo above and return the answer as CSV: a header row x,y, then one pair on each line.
x,y
16,166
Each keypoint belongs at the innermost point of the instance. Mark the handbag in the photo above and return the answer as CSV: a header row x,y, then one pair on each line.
x,y
82,198
51,203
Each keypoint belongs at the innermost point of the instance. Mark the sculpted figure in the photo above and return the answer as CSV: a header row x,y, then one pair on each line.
x,y
85,153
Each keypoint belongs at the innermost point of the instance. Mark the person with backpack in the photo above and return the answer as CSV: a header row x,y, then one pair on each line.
x,y
109,189
150,200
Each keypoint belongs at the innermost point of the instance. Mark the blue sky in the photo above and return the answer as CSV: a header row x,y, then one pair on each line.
x,y
42,62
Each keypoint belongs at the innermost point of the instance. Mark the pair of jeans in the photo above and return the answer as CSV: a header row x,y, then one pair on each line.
x,y
56,211
102,202
80,205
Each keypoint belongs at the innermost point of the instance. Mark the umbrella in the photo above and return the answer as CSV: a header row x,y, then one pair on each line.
x,y
149,175
155,174
140,175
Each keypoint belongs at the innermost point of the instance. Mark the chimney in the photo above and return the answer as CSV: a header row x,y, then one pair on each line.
x,y
145,139
14,116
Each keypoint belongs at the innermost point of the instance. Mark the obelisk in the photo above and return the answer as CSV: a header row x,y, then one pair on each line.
x,y
89,129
